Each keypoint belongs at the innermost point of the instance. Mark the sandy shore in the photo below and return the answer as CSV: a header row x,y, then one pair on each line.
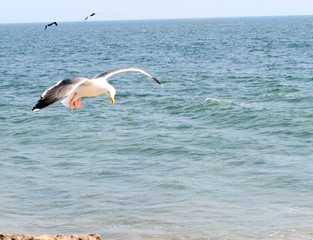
x,y
49,237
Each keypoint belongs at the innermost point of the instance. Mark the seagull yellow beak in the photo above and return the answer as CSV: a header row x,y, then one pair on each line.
x,y
112,99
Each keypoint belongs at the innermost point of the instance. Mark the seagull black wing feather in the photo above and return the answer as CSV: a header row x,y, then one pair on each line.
x,y
91,15
50,24
56,92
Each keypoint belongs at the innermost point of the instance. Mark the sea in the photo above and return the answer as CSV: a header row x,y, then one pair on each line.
x,y
222,152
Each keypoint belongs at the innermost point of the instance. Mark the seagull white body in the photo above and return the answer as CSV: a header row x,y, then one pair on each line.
x,y
89,88
92,88
75,88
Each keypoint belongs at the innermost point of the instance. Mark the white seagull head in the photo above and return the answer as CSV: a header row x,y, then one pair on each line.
x,y
110,92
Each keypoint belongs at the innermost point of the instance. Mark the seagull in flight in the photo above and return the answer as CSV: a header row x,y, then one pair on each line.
x,y
50,24
73,89
91,15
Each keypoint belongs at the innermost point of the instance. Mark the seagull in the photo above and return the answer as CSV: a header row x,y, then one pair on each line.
x,y
91,15
50,24
75,88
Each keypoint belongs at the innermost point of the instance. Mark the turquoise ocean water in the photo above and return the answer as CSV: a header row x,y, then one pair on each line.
x,y
223,151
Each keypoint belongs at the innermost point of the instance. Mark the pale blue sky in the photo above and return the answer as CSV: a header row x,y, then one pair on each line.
x,y
12,11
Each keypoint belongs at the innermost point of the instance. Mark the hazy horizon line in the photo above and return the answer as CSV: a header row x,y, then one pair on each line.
x,y
156,19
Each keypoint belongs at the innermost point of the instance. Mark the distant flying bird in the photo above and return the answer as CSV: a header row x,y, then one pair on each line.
x,y
91,15
50,24
76,88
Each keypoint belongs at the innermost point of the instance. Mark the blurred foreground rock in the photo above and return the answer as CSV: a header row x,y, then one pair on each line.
x,y
49,237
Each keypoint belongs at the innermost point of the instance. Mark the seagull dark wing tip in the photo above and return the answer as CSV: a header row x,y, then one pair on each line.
x,y
157,81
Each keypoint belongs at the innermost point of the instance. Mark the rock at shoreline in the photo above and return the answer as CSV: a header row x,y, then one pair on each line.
x,y
49,237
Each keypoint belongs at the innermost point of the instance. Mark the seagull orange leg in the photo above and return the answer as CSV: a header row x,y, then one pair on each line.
x,y
72,105
78,103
